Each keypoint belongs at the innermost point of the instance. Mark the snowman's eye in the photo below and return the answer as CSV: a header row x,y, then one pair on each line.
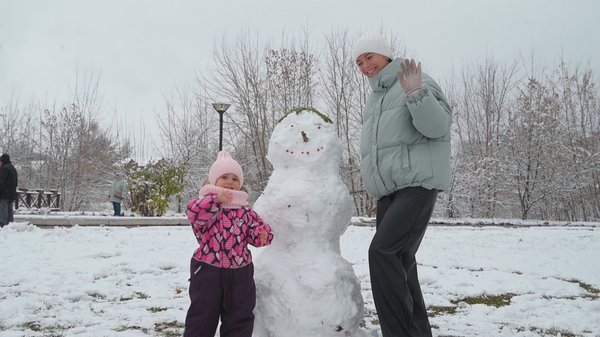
x,y
291,125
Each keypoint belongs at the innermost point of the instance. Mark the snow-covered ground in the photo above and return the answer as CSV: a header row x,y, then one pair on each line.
x,y
478,281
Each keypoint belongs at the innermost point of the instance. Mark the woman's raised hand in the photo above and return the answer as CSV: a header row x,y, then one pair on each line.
x,y
411,77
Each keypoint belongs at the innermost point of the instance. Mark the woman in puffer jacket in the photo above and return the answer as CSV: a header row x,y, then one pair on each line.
x,y
405,149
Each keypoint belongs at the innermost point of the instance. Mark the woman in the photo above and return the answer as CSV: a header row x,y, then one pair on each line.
x,y
117,192
405,148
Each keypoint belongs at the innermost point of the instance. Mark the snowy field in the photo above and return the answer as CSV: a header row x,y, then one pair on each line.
x,y
478,281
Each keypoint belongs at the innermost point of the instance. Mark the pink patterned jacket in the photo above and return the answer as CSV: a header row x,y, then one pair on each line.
x,y
224,233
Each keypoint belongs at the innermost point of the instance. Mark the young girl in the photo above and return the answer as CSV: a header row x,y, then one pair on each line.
x,y
221,282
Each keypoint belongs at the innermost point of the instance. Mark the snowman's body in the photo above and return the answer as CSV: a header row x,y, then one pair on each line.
x,y
304,286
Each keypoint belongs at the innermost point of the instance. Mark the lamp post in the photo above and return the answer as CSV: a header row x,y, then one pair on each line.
x,y
221,108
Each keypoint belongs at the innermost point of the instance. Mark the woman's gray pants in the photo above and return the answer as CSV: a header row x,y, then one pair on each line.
x,y
402,219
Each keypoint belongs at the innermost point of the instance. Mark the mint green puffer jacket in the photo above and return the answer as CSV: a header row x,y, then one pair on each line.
x,y
405,141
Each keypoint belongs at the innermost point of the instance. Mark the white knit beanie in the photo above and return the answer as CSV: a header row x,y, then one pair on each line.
x,y
371,43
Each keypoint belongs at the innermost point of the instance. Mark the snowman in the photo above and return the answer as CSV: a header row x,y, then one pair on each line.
x,y
304,286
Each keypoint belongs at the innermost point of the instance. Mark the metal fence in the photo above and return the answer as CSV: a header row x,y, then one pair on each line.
x,y
38,199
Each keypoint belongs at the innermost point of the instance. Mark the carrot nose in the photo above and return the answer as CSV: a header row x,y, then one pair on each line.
x,y
304,136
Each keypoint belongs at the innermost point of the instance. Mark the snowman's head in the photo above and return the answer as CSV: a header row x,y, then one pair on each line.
x,y
304,137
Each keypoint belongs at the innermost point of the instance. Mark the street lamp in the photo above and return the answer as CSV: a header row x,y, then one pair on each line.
x,y
221,108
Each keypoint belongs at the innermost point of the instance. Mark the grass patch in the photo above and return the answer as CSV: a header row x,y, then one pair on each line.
x,y
138,295
571,298
132,327
594,292
371,317
441,310
33,326
49,331
157,309
492,301
496,301
559,332
548,332
141,295
169,329
96,295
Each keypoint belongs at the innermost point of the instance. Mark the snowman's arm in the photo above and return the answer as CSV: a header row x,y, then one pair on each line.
x,y
201,211
255,226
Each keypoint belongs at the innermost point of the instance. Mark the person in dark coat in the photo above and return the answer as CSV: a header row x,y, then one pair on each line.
x,y
8,189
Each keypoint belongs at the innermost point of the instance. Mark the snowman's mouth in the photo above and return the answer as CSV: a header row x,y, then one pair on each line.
x,y
306,152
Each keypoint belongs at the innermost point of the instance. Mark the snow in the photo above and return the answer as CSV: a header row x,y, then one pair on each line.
x,y
114,281
480,277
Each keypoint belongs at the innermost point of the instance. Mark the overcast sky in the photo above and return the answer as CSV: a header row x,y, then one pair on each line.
x,y
141,49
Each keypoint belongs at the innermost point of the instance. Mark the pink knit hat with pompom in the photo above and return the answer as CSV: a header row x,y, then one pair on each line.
x,y
223,165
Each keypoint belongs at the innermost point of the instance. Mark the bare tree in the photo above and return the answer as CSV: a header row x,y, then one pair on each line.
x,y
187,127
344,96
580,118
481,106
534,133
290,79
262,83
20,139
78,153
238,76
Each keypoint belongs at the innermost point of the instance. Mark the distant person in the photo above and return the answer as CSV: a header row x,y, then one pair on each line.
x,y
221,270
117,192
8,189
405,150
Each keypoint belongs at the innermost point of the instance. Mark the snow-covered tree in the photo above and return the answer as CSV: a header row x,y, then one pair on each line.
x,y
481,103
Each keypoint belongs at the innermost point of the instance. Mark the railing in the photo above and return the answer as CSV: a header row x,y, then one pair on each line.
x,y
38,199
